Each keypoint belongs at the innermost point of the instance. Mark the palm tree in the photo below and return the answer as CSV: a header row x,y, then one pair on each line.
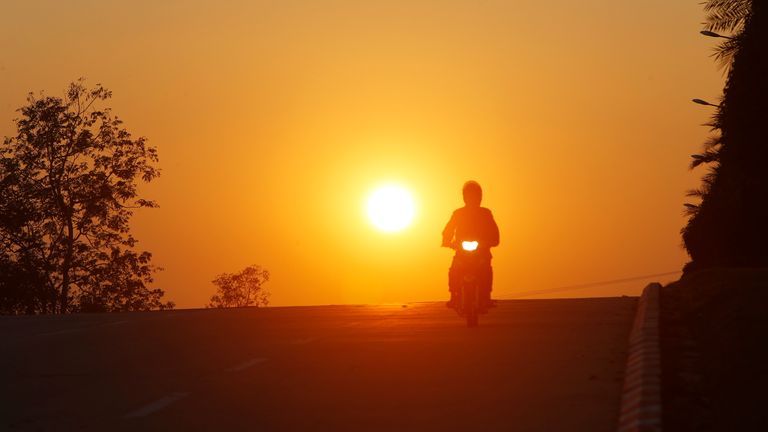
x,y
729,227
727,16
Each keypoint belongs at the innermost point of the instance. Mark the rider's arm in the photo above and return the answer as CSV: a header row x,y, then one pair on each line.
x,y
449,231
493,231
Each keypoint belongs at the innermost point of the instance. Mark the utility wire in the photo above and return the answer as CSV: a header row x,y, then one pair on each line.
x,y
589,285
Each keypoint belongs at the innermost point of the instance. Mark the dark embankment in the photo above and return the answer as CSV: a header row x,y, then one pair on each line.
x,y
714,341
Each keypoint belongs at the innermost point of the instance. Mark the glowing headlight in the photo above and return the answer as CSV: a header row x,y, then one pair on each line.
x,y
469,245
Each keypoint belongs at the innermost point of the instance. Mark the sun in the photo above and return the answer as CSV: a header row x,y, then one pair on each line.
x,y
390,208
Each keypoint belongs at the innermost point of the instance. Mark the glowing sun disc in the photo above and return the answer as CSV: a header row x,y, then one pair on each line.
x,y
390,208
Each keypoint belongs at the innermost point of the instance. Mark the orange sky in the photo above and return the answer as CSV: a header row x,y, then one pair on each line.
x,y
274,119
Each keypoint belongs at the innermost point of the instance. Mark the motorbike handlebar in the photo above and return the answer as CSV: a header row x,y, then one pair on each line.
x,y
468,246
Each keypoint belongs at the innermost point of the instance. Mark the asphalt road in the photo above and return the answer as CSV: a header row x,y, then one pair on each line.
x,y
532,365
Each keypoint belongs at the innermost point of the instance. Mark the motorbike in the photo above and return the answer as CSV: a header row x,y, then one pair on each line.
x,y
471,266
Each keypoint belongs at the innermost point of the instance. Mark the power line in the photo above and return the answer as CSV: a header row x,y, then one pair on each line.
x,y
589,285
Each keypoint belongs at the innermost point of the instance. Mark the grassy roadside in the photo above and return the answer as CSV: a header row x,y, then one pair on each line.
x,y
714,347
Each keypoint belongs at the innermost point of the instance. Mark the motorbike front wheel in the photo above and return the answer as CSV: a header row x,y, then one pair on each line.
x,y
471,304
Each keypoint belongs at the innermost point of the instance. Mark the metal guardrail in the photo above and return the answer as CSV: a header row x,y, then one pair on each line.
x,y
641,395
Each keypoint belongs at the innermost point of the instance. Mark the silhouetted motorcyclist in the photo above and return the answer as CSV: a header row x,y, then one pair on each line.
x,y
471,223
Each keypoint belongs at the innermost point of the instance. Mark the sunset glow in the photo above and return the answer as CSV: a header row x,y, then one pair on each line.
x,y
390,208
383,214
276,123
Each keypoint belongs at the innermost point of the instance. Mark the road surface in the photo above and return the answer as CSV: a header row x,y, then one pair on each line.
x,y
532,365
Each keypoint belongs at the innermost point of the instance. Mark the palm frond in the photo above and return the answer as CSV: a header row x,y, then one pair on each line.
x,y
706,157
712,142
690,209
725,52
727,15
709,178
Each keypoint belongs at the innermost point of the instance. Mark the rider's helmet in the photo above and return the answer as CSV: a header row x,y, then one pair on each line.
x,y
473,193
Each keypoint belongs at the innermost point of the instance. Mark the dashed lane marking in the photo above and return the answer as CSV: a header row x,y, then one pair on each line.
x,y
246,364
156,405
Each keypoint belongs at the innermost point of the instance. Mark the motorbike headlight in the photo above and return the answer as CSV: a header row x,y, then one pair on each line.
x,y
469,245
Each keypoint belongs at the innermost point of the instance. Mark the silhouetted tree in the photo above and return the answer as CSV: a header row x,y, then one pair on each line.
x,y
241,289
23,288
729,227
68,187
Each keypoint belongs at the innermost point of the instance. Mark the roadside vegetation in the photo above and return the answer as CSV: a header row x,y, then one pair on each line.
x,y
713,320
241,289
728,227
68,188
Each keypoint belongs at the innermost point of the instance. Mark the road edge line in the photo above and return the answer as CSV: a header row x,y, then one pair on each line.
x,y
641,394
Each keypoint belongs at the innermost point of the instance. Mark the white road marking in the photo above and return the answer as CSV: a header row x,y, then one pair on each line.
x,y
246,364
156,405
